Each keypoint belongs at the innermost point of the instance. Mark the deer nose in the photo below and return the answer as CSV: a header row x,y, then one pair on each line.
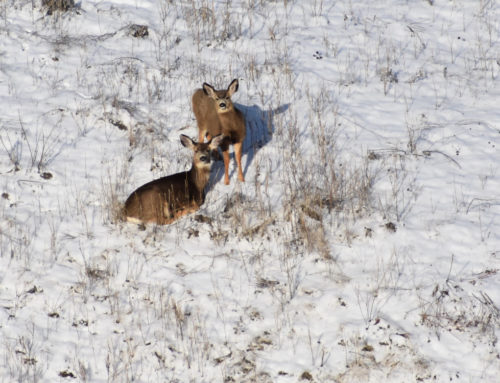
x,y
222,105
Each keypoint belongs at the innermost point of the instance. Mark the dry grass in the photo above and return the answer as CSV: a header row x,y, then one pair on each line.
x,y
309,192
58,6
450,308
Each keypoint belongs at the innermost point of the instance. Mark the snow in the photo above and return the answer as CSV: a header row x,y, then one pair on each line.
x,y
363,246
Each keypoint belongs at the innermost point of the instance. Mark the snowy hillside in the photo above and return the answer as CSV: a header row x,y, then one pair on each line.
x,y
364,245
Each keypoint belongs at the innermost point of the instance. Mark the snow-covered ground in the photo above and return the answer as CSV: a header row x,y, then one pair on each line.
x,y
364,245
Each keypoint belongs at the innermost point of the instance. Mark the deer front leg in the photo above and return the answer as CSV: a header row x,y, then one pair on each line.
x,y
238,146
225,154
202,134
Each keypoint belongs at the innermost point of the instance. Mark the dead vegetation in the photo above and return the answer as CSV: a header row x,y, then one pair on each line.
x,y
54,6
266,270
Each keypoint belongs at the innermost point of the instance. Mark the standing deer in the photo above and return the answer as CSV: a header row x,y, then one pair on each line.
x,y
216,114
166,199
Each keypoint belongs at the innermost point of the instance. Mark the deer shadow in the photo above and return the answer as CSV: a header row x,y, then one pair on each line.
x,y
259,132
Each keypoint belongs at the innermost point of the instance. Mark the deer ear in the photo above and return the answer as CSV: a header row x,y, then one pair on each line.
x,y
187,142
216,141
233,87
209,90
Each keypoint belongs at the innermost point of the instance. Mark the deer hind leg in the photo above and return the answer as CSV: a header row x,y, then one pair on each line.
x,y
238,146
135,220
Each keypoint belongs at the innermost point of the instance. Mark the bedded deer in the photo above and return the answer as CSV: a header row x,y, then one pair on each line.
x,y
216,114
166,199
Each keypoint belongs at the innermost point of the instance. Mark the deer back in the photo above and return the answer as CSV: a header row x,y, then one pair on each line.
x,y
165,199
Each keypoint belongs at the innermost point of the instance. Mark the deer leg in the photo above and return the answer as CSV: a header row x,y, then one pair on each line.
x,y
202,134
225,154
238,146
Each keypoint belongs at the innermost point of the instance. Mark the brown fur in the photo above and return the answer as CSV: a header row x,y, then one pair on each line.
x,y
216,114
166,199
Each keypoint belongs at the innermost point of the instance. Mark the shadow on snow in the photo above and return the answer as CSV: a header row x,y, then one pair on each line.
x,y
259,132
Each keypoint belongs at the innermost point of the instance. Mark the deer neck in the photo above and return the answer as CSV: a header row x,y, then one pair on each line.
x,y
227,116
199,176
